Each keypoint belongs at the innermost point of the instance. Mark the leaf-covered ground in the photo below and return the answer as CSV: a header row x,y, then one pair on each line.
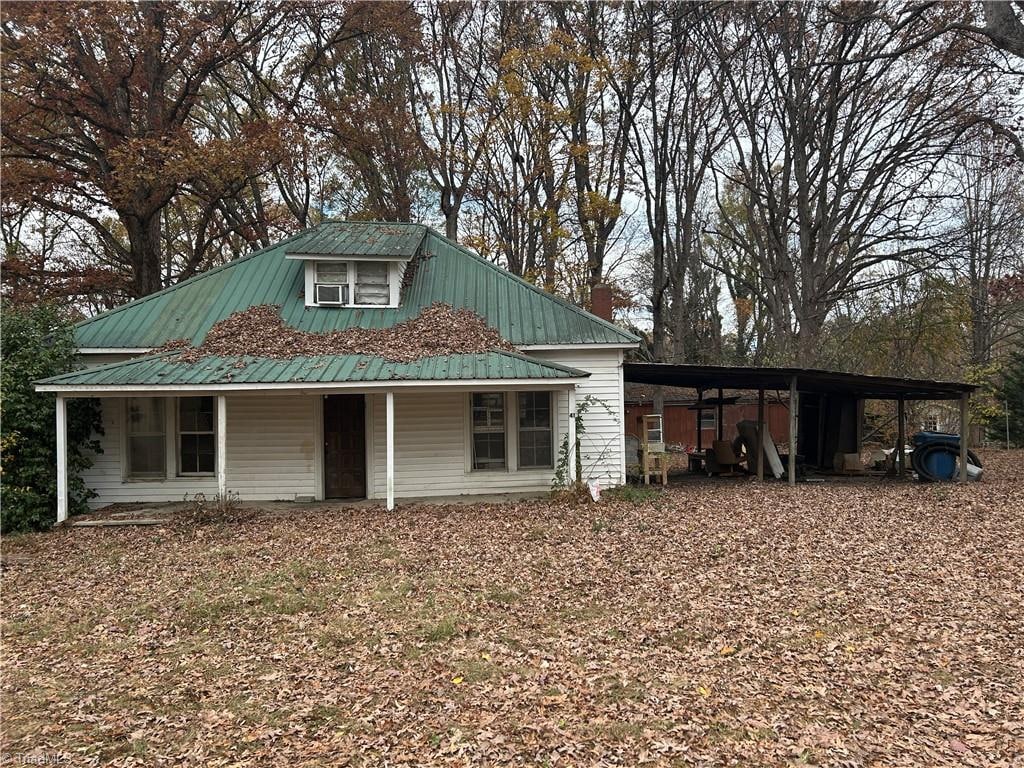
x,y
729,624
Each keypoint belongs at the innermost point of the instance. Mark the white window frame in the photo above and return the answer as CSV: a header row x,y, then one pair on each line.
x,y
126,466
344,288
509,465
178,432
352,271
354,283
552,418
558,427
702,414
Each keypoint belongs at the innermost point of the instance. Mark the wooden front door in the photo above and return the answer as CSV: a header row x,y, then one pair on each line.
x,y
344,447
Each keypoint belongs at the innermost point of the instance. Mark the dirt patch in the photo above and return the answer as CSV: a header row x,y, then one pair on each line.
x,y
438,330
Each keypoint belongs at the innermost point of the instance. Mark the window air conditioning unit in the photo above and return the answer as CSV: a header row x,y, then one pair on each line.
x,y
331,294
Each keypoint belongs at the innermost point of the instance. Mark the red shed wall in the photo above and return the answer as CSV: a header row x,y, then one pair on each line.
x,y
681,422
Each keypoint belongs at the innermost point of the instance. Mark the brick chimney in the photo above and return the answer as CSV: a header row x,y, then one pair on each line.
x,y
601,301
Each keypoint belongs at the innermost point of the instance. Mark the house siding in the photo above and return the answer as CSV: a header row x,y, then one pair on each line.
x,y
602,445
97,359
272,446
272,443
431,436
270,449
431,449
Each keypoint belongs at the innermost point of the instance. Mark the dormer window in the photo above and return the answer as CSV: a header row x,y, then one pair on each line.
x,y
356,264
332,283
353,282
372,284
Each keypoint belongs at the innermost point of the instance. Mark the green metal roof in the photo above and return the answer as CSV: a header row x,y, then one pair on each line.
x,y
444,271
362,238
166,370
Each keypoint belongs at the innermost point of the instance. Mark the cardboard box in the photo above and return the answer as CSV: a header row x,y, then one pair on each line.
x,y
847,462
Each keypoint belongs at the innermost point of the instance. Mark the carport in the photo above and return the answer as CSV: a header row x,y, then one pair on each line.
x,y
826,408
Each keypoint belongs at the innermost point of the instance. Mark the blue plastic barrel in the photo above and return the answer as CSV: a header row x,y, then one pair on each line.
x,y
941,464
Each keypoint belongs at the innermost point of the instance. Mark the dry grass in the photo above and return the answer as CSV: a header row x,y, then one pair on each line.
x,y
731,624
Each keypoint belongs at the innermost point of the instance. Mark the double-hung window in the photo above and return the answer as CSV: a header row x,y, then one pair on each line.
x,y
535,447
146,438
373,285
196,437
331,282
488,430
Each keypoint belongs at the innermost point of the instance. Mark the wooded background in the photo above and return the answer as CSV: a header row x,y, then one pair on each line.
x,y
829,184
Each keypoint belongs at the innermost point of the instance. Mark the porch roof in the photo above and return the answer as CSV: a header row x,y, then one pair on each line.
x,y
166,370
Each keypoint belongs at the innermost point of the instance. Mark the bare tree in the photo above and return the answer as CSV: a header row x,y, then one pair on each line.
x,y
676,134
834,145
987,201
455,95
597,82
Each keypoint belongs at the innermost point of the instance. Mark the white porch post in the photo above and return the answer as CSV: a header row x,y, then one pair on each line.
x,y
62,459
390,443
571,394
222,445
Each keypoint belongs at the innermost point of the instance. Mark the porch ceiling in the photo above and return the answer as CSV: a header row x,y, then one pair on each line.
x,y
166,371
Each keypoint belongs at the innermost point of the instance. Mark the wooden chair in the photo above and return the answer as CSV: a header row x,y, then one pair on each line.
x,y
721,459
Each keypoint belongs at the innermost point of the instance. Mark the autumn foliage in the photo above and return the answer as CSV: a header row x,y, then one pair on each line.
x,y
437,330
713,625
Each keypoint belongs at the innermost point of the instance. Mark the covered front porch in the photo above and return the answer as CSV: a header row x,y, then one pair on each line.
x,y
492,425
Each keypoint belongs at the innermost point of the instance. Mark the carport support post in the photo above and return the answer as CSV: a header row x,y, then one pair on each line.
x,y
901,438
759,451
721,413
700,413
794,410
390,443
965,425
62,459
222,446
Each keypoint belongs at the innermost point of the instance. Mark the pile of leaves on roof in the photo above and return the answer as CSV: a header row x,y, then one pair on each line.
x,y
438,330
713,624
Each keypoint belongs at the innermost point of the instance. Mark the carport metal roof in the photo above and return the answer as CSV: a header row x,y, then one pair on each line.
x,y
808,380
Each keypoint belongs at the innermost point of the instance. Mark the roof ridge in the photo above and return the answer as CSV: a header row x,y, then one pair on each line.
x,y
527,283
195,278
376,221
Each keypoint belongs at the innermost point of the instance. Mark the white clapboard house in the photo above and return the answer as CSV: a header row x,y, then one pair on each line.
x,y
346,426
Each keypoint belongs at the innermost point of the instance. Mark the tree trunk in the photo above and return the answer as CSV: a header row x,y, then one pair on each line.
x,y
451,204
144,241
807,340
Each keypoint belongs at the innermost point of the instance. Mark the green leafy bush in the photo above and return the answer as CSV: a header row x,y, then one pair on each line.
x,y
38,342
